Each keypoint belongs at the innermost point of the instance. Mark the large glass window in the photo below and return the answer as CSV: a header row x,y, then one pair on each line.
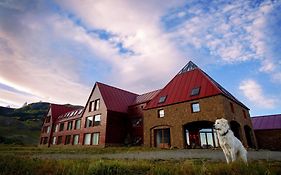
x,y
162,137
195,107
208,138
78,124
87,139
97,120
89,122
75,139
95,140
48,129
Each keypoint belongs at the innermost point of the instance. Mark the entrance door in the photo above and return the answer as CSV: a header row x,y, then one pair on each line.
x,y
162,138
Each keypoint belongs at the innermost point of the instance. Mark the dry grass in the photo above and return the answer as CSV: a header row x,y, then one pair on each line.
x,y
26,165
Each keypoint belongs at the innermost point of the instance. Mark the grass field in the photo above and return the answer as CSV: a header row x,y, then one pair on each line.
x,y
19,160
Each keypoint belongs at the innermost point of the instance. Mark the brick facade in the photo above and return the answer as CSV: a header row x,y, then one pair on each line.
x,y
269,139
178,115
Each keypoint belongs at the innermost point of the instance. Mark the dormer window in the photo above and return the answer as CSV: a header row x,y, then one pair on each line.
x,y
162,99
195,91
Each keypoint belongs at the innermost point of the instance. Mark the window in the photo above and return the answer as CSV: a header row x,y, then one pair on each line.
x,y
97,120
89,122
136,122
208,138
48,129
162,137
54,139
67,139
87,139
69,125
95,140
162,99
244,114
195,91
45,140
75,139
232,107
59,140
48,119
61,126
57,128
195,107
94,105
77,124
161,113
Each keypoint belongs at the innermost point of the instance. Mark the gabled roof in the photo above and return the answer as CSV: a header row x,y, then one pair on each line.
x,y
267,122
57,110
145,97
116,99
180,87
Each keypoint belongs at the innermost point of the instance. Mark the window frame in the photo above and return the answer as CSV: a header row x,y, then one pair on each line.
x,y
195,91
90,124
94,141
162,99
193,109
159,114
75,126
97,122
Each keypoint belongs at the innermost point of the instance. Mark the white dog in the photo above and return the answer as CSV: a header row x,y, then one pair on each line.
x,y
231,146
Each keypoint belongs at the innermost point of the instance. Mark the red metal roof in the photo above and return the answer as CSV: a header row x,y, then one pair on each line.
x,y
145,97
180,87
116,99
267,122
58,110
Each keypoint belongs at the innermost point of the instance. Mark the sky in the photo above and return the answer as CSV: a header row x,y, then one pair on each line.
x,y
55,50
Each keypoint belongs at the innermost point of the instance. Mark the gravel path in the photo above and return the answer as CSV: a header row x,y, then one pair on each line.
x,y
167,154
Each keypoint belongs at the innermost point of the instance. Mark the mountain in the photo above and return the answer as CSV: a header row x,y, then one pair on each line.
x,y
22,125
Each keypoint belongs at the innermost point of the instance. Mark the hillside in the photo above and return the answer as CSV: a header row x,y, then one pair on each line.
x,y
22,125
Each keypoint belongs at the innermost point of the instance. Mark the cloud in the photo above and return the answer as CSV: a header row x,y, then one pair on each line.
x,y
232,32
254,93
135,26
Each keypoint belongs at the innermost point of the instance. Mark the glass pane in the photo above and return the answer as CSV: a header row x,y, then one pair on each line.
x,y
54,140
87,139
97,104
195,107
210,139
96,138
166,136
97,118
158,136
161,113
77,124
187,137
89,121
75,139
206,130
203,140
162,99
216,139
